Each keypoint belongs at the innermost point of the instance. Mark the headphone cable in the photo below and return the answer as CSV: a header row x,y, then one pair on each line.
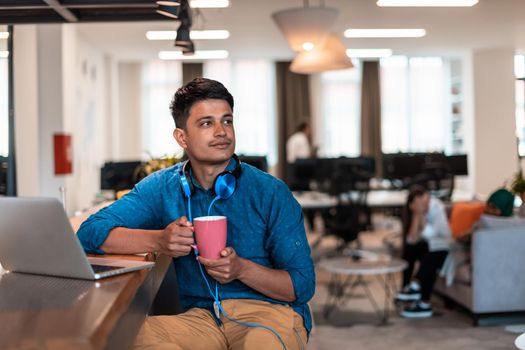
x,y
219,306
215,296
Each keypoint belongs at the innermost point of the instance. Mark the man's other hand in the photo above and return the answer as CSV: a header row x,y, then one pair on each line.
x,y
225,269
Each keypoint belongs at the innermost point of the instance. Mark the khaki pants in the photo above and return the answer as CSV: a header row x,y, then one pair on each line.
x,y
196,329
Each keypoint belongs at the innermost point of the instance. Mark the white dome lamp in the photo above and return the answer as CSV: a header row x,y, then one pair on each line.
x,y
305,25
329,56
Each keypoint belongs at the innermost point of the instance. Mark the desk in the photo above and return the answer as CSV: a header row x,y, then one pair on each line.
x,y
384,199
39,312
314,200
375,199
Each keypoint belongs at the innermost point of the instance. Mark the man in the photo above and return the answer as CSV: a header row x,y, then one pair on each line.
x,y
265,274
298,145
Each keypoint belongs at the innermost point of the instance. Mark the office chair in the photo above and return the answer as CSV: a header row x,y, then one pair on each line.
x,y
351,184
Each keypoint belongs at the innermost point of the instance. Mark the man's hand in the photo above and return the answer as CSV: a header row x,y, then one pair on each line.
x,y
225,269
176,239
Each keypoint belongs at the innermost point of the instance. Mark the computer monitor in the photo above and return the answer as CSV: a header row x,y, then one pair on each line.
x,y
458,164
402,165
118,175
406,165
301,174
259,162
352,174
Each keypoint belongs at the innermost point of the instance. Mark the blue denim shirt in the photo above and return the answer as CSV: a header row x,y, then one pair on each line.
x,y
265,225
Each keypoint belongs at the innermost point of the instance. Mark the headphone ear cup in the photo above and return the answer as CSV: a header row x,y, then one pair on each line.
x,y
225,185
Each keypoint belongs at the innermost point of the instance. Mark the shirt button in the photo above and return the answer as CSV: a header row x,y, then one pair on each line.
x,y
297,243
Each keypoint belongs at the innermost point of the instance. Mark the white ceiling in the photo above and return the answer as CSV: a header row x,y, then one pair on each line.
x,y
450,31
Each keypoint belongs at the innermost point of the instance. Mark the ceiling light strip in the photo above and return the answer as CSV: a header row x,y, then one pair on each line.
x,y
384,33
194,34
199,55
209,3
426,3
4,35
368,53
4,54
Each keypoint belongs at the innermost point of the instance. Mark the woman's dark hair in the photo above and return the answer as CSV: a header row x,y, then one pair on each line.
x,y
415,192
198,89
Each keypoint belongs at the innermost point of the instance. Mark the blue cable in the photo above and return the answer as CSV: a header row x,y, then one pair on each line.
x,y
216,295
252,325
189,210
211,204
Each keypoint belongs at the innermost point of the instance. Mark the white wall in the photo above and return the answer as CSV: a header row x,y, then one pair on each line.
x,y
86,116
26,110
129,109
49,53
494,143
60,86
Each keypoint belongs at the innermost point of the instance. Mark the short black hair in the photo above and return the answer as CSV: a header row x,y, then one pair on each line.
x,y
302,126
198,89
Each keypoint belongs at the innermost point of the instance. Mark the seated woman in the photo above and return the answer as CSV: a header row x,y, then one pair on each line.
x,y
426,237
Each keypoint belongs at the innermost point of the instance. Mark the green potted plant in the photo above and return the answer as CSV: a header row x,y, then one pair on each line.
x,y
518,188
153,165
518,184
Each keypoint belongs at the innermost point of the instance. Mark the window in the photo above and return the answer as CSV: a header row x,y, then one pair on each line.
x,y
160,80
414,109
340,104
252,84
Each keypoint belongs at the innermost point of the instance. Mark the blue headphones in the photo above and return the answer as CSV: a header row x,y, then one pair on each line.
x,y
224,184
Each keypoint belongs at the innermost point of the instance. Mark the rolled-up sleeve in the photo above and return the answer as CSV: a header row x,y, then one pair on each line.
x,y
137,209
288,244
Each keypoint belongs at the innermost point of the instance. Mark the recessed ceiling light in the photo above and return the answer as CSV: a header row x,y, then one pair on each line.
x,y
4,35
194,34
426,3
209,3
4,54
199,55
384,33
368,53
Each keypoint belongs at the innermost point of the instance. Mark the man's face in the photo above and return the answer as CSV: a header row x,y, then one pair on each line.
x,y
209,135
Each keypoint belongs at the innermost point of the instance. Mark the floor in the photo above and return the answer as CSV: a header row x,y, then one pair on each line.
x,y
356,326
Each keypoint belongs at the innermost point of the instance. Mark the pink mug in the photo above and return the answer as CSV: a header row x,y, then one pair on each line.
x,y
210,233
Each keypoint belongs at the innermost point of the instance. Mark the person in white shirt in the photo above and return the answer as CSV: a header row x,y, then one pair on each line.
x,y
427,239
298,145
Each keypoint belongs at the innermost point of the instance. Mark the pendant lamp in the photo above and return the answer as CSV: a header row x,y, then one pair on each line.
x,y
305,25
330,56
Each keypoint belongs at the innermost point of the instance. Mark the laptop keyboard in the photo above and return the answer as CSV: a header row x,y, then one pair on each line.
x,y
104,268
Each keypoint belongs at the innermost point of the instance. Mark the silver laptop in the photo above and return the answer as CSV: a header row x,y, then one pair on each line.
x,y
36,237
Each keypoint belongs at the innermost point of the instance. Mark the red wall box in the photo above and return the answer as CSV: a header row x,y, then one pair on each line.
x,y
63,154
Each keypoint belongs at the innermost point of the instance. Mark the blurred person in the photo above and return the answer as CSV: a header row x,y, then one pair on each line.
x,y
426,237
298,144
